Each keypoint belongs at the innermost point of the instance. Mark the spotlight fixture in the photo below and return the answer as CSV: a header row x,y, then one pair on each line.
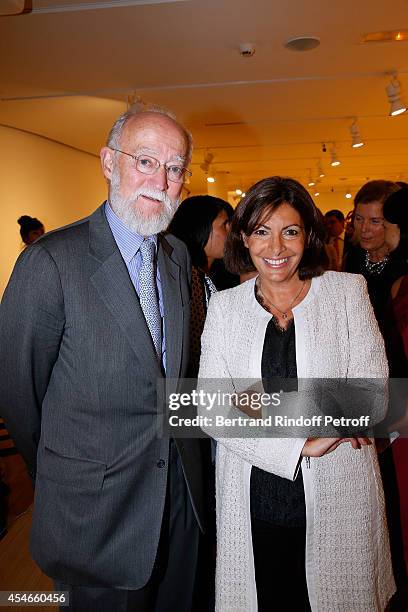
x,y
205,167
348,195
323,148
393,89
243,195
334,159
385,36
320,172
316,195
208,157
238,191
311,180
356,140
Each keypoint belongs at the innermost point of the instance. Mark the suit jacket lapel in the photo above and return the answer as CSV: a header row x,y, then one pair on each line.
x,y
115,288
173,307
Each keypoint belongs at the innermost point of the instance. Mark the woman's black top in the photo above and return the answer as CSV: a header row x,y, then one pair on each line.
x,y
378,285
277,500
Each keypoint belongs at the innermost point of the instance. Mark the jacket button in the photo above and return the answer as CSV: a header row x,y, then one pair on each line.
x,y
161,463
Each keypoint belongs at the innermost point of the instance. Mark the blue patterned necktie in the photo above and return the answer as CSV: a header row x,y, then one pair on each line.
x,y
148,294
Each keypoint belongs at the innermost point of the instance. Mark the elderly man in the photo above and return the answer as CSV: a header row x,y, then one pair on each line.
x,y
94,314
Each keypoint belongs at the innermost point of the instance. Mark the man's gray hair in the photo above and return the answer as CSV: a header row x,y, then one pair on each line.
x,y
113,140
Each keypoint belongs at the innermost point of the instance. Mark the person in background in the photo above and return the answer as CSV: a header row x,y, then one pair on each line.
x,y
202,223
300,521
30,229
380,258
377,255
348,231
94,318
334,222
203,230
396,212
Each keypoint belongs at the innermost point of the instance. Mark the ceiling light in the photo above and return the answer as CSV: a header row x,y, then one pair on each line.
x,y
385,36
244,194
316,194
356,140
348,195
210,179
208,157
393,90
320,172
311,180
238,191
334,159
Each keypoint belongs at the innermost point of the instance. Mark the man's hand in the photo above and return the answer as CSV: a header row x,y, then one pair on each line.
x,y
317,447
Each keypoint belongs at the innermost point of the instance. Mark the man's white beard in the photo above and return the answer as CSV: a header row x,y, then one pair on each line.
x,y
134,216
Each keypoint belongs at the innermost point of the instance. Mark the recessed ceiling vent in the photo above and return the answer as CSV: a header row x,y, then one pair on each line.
x,y
302,43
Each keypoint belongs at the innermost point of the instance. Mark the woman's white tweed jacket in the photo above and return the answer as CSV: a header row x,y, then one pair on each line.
x,y
348,565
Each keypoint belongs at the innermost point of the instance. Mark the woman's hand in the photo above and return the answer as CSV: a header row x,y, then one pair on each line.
x,y
317,447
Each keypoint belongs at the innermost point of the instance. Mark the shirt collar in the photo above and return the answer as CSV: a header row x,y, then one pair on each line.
x,y
128,242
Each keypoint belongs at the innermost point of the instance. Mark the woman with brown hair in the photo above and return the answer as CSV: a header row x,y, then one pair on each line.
x,y
300,521
378,256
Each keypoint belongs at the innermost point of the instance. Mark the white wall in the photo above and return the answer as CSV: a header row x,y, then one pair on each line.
x,y
46,180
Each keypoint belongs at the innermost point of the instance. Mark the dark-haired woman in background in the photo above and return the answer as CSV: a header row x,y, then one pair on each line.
x,y
202,223
30,229
396,212
293,535
378,256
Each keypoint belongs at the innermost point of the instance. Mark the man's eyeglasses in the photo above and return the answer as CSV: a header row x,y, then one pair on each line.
x,y
149,165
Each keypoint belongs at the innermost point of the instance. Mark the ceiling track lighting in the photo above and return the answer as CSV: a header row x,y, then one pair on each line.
x,y
393,89
385,36
311,181
334,159
205,166
320,172
356,140
208,157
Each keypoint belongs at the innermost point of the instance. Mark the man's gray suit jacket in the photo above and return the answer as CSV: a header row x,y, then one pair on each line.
x,y
78,383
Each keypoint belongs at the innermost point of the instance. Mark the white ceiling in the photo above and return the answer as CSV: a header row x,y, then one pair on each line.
x,y
66,74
